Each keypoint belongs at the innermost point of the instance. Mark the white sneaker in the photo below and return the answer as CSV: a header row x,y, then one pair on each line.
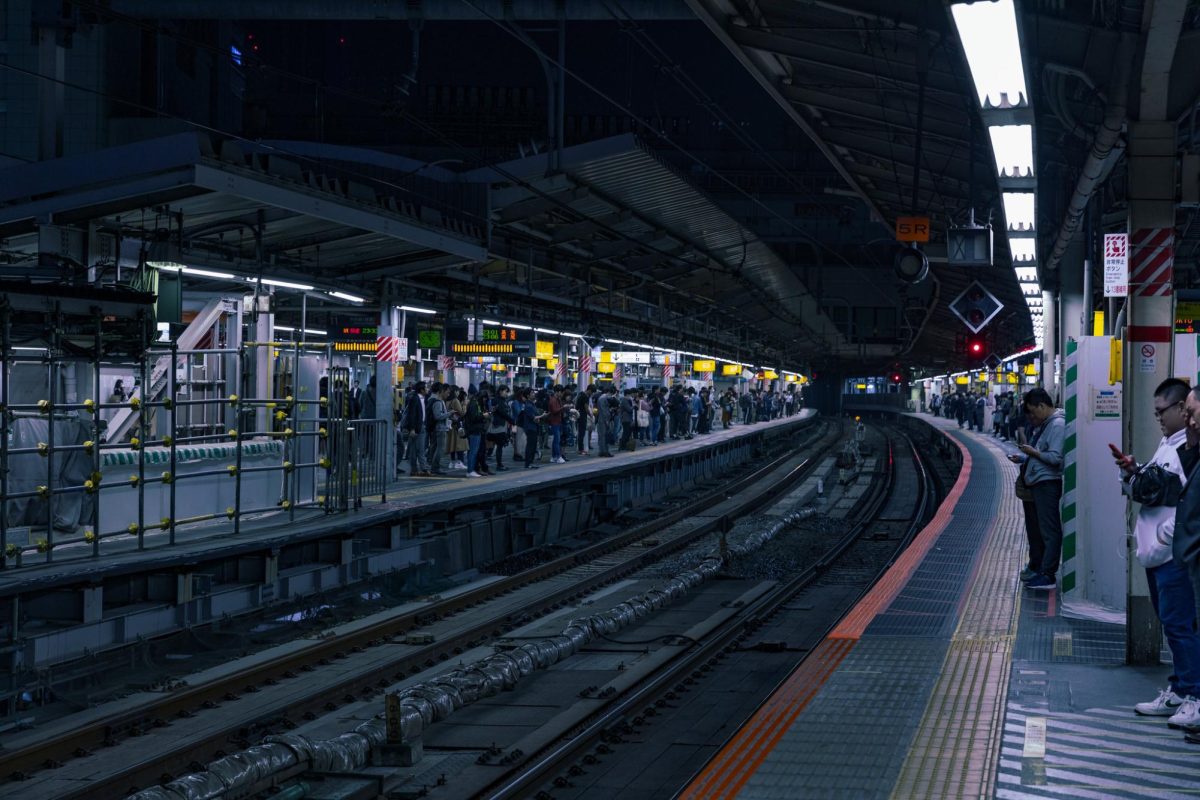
x,y
1165,705
473,474
1188,715
558,461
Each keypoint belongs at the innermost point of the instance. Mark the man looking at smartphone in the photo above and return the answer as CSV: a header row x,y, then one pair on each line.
x,y
1043,476
1170,589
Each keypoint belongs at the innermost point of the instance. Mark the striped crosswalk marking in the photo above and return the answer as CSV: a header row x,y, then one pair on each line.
x,y
1100,753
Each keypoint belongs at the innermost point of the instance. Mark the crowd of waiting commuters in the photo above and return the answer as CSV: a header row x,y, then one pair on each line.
x,y
1166,529
441,428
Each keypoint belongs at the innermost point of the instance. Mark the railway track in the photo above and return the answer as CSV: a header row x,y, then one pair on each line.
x,y
579,745
350,666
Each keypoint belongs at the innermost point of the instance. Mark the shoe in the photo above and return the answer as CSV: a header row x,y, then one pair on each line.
x,y
473,474
1041,582
1165,705
531,466
606,455
1188,715
501,469
1028,574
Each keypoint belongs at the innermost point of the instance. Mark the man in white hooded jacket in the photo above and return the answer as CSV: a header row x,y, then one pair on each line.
x,y
1170,587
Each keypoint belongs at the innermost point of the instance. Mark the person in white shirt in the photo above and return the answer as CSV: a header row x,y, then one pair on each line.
x,y
1170,588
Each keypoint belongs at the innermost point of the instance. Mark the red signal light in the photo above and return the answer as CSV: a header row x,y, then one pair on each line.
x,y
976,348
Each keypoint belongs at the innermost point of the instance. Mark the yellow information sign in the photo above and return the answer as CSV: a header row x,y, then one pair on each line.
x,y
605,367
769,374
962,380
704,365
544,349
606,357
791,378
731,369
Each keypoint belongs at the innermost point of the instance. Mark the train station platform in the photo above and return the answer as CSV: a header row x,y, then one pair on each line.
x,y
949,679
431,505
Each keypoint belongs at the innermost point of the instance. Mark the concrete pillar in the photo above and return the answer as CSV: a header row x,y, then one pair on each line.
x,y
385,385
1148,335
264,332
1070,293
1049,342
563,374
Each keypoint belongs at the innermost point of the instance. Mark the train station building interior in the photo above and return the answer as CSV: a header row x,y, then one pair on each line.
x,y
577,399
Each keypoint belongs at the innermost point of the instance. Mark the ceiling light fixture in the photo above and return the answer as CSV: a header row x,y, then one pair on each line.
x,y
1019,210
1012,149
351,298
988,31
303,287
418,310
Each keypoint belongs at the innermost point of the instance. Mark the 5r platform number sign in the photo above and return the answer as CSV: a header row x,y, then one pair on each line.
x,y
912,229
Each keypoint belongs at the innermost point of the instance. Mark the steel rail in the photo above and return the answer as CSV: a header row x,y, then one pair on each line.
x,y
185,702
552,759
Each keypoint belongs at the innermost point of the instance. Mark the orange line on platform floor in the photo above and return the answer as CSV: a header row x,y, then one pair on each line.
x,y
727,773
885,591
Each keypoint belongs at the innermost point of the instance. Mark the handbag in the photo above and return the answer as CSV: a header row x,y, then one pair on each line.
x,y
1022,489
643,419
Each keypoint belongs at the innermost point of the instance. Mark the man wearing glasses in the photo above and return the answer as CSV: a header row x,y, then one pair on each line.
x,y
1170,588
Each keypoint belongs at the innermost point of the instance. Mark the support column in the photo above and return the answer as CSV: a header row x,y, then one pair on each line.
x,y
563,374
264,331
1049,342
1148,336
385,385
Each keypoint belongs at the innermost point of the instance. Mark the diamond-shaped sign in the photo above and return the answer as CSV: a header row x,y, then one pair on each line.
x,y
976,306
992,361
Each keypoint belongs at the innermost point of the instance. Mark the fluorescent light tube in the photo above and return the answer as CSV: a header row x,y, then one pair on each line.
x,y
208,273
517,327
546,330
165,266
1012,149
303,287
1023,249
418,310
988,32
1018,210
352,298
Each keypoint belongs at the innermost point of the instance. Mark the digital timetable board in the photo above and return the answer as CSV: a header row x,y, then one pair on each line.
x,y
490,348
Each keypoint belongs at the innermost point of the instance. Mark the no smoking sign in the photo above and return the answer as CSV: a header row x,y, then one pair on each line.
x,y
1148,358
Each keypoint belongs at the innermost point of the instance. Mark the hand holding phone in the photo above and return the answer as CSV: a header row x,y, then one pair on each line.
x,y
1124,461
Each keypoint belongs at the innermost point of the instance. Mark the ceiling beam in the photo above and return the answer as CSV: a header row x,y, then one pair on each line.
x,y
712,14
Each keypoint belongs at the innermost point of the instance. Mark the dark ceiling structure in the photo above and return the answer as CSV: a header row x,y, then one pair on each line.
x,y
725,172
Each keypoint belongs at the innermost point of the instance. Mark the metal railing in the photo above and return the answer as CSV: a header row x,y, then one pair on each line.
x,y
53,509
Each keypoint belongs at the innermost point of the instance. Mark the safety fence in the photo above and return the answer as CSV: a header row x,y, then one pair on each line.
x,y
183,457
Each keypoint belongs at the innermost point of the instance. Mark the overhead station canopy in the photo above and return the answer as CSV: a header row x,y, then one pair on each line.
x,y
234,209
614,202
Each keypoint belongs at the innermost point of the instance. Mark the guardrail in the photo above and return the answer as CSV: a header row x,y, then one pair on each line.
x,y
65,492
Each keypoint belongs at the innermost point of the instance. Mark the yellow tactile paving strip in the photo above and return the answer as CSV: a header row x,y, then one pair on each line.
x,y
957,747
